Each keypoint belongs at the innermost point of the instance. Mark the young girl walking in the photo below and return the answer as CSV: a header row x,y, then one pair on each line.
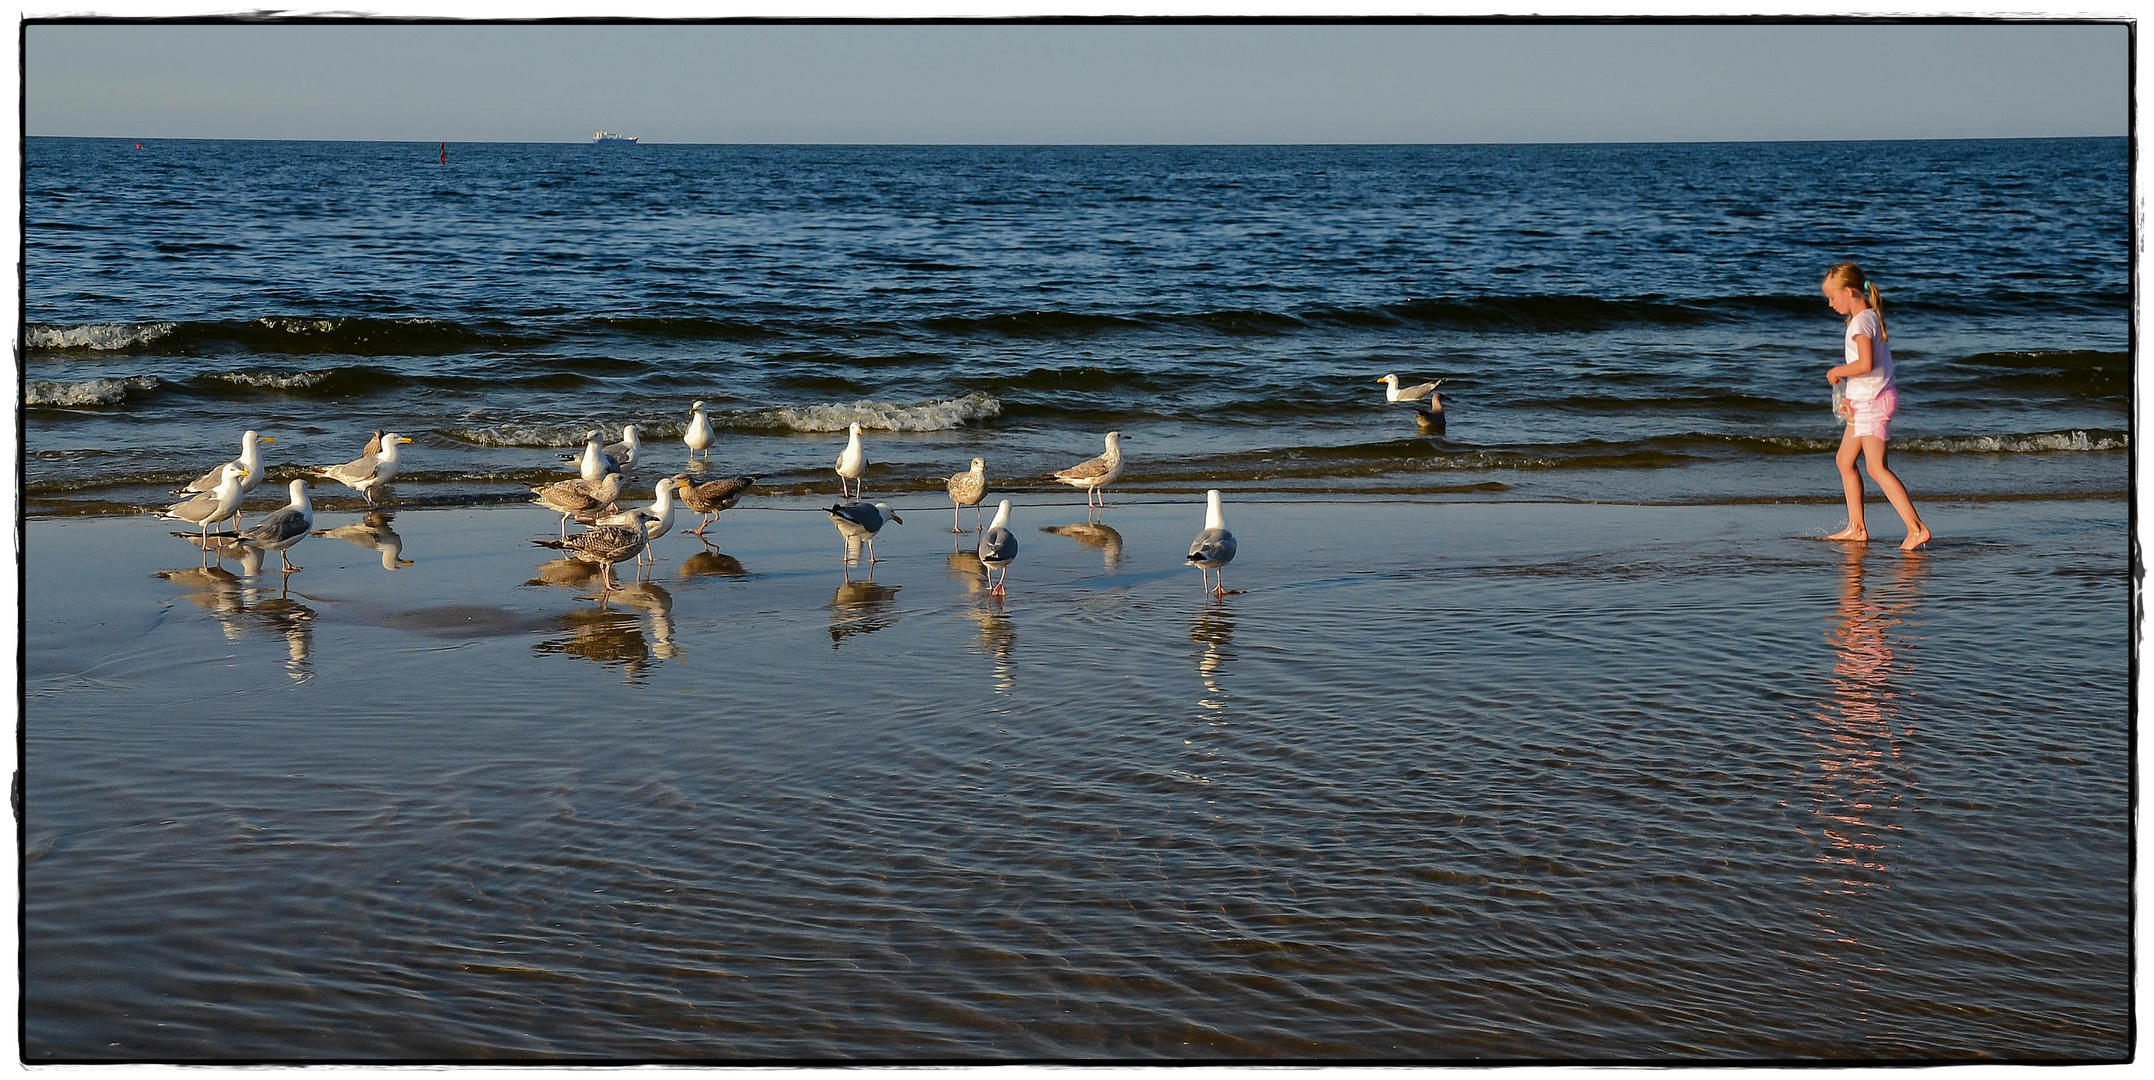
x,y
1870,402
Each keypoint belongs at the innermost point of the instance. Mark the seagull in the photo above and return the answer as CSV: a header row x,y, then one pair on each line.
x,y
575,497
699,435
713,497
626,450
373,445
998,548
1395,395
280,530
852,464
211,507
657,517
967,489
605,545
1096,473
249,460
370,470
1214,547
859,522
596,463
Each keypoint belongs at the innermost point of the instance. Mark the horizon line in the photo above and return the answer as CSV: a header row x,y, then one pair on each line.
x,y
954,143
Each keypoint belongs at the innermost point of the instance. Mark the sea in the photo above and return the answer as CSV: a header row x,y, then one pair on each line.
x,y
1552,735
1634,323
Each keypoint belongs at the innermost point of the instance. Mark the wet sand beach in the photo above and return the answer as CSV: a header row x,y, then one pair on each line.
x,y
1436,781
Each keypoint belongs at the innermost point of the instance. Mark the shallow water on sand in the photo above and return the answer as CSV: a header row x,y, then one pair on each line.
x,y
1445,781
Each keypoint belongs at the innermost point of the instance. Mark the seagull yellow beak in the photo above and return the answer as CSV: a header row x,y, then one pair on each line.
x,y
265,438
404,439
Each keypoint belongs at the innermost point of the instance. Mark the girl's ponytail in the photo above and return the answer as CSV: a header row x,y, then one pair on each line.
x,y
1849,274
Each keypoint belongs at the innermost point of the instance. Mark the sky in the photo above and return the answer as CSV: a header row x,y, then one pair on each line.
x,y
1099,83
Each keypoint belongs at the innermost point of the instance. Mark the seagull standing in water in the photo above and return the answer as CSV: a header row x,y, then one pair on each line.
x,y
859,522
967,489
852,464
1214,547
699,435
998,549
626,450
577,498
371,470
280,530
596,462
657,517
212,506
1097,473
249,460
605,545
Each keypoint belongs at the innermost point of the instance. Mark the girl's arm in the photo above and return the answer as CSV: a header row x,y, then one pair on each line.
x,y
1862,364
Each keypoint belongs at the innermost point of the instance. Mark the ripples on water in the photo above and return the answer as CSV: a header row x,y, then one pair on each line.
x,y
1634,322
1445,782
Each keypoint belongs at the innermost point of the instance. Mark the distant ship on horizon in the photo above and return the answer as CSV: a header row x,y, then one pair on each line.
x,y
607,138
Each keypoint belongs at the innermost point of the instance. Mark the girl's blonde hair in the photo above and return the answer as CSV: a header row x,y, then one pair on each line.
x,y
1849,274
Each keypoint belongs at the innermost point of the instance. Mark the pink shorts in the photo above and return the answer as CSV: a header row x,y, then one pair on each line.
x,y
1874,417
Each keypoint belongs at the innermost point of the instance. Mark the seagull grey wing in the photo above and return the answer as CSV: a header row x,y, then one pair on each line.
x,y
1096,467
285,524
1212,547
208,481
998,546
352,472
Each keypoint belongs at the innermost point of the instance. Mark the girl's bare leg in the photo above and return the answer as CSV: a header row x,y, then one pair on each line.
x,y
1873,452
1851,483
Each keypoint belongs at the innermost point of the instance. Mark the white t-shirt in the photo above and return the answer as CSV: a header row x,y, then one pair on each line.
x,y
1879,380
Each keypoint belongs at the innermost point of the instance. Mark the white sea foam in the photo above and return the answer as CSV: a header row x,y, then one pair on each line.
x,y
535,436
2039,443
95,335
884,415
89,392
273,380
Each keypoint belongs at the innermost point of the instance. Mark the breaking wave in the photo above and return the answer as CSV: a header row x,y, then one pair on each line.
x,y
50,394
883,415
102,337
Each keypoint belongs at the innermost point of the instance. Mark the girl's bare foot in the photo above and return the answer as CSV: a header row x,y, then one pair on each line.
x,y
1858,535
1916,539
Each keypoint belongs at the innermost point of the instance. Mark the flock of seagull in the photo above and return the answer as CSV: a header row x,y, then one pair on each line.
x,y
614,535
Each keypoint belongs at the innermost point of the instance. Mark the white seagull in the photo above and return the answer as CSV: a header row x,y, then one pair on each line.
x,y
369,471
596,463
852,464
657,517
699,435
249,460
1394,394
1214,547
998,549
213,506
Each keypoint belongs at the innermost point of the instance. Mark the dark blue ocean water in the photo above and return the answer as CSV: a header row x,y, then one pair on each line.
x,y
1612,322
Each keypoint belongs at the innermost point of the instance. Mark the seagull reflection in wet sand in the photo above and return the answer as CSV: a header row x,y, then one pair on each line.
x,y
998,636
238,609
602,636
860,607
1214,630
373,533
712,563
1094,535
